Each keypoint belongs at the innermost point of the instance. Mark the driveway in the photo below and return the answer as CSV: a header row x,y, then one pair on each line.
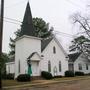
x,y
72,85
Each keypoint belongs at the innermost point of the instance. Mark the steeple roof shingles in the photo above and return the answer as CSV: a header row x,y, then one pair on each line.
x,y
27,27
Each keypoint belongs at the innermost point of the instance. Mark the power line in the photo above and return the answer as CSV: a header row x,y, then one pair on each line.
x,y
14,21
65,34
55,32
74,4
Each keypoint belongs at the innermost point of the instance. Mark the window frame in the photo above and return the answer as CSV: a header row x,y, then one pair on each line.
x,y
54,49
60,66
80,66
19,67
87,68
49,66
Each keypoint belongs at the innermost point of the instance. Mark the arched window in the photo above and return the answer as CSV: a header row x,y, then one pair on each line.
x,y
54,50
86,66
59,66
19,66
49,66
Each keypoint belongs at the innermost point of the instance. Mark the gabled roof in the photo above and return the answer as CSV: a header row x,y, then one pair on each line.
x,y
31,57
59,44
45,42
27,27
73,57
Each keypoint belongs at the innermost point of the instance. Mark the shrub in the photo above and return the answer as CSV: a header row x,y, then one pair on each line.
x,y
78,73
69,74
59,76
23,78
3,76
87,74
8,76
46,75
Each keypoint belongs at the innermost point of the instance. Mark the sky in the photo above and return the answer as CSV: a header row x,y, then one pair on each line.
x,y
55,12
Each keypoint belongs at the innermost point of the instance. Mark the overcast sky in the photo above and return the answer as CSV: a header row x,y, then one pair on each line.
x,y
56,12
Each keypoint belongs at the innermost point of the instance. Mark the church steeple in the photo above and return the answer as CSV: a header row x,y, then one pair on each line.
x,y
27,27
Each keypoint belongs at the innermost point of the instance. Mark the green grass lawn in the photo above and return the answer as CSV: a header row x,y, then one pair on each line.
x,y
15,83
12,83
71,78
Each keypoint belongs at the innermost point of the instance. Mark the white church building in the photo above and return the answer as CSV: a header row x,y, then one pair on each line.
x,y
44,54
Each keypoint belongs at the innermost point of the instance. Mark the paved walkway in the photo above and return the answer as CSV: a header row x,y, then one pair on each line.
x,y
54,85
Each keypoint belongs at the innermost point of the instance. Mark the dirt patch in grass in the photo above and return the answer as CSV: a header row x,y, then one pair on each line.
x,y
6,83
12,83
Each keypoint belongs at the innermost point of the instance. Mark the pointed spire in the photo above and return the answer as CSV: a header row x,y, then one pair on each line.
x,y
27,25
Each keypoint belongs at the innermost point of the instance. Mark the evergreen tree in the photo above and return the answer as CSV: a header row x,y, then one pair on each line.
x,y
41,30
81,44
36,27
3,59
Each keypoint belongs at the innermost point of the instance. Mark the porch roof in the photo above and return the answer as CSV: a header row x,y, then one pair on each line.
x,y
34,57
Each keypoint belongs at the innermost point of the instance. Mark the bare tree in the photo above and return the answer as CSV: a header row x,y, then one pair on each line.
x,y
81,43
83,21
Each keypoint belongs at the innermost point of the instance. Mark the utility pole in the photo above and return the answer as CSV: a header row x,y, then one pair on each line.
x,y
1,35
